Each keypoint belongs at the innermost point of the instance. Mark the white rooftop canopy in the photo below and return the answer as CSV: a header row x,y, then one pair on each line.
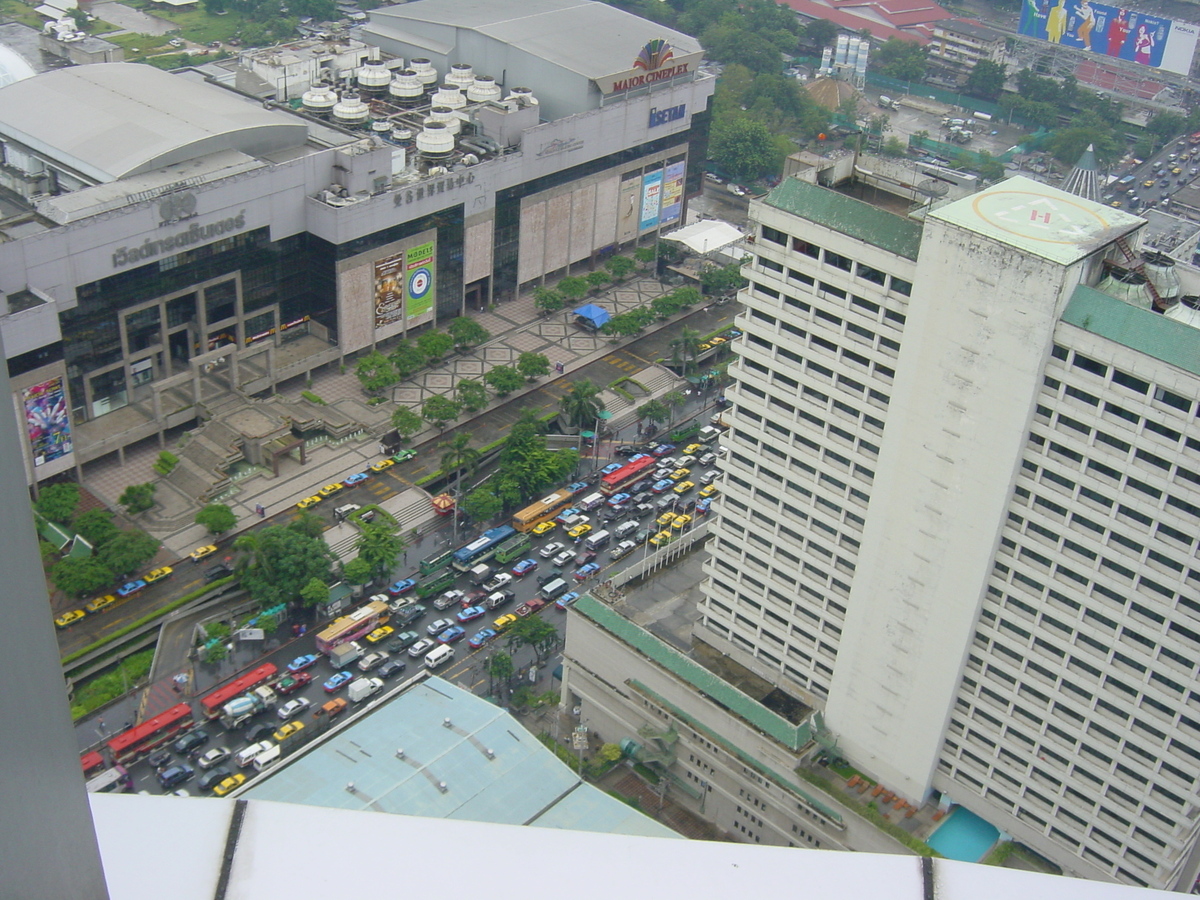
x,y
706,237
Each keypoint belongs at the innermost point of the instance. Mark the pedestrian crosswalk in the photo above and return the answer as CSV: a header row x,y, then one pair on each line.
x,y
620,362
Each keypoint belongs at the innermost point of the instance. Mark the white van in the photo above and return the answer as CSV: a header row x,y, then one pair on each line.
x,y
625,529
553,589
246,755
708,434
439,656
591,501
598,540
267,758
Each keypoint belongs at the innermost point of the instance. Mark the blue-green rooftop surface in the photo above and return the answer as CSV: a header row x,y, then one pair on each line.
x,y
1138,329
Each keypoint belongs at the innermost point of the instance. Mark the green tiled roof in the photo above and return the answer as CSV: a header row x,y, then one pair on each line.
x,y
849,216
721,692
1138,329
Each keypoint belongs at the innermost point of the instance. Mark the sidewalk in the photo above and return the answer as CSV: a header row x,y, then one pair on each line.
x,y
516,327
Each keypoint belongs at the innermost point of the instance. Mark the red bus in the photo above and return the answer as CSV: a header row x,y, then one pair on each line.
x,y
1194,139
616,482
92,762
211,705
132,743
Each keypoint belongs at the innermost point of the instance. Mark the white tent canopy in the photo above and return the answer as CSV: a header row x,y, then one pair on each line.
x,y
706,236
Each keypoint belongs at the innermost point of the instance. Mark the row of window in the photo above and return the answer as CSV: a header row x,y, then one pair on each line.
x,y
858,269
860,306
1129,382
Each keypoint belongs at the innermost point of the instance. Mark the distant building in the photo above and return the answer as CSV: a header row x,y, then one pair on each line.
x,y
958,45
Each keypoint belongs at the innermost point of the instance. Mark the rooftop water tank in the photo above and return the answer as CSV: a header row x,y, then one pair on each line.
x,y
402,136
351,110
319,99
1127,286
523,96
484,88
374,78
407,89
445,115
449,94
382,127
461,74
426,73
435,142
1160,269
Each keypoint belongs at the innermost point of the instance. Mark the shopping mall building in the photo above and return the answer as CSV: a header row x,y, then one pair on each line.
x,y
165,240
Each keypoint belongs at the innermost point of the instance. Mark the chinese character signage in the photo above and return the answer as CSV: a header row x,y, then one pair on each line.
x,y
47,421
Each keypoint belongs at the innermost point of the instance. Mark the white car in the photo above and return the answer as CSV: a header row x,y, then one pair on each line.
x,y
707,459
437,627
709,477
421,647
293,708
175,42
552,548
371,660
563,558
685,462
448,599
212,757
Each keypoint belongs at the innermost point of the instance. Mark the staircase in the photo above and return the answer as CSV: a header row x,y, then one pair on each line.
x,y
1137,264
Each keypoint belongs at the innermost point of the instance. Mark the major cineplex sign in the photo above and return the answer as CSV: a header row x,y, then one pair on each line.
x,y
657,62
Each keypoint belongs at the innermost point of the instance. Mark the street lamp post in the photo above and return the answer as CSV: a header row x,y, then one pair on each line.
x,y
602,416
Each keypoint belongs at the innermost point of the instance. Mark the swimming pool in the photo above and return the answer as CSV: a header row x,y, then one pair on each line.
x,y
963,836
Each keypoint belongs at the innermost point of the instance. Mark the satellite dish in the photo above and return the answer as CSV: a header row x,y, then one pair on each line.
x,y
932,189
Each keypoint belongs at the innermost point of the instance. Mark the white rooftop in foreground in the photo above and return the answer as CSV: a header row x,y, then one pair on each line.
x,y
173,846
706,236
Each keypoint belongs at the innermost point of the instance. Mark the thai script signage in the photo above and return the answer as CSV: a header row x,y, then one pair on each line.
x,y
192,236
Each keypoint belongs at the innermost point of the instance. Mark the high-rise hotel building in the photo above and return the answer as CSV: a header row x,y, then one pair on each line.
x,y
961,506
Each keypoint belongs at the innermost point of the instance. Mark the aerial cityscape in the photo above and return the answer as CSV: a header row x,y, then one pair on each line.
x,y
744,441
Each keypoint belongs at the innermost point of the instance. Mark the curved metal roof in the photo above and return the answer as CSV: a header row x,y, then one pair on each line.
x,y
112,120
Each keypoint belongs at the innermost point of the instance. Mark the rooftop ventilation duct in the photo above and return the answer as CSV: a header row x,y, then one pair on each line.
x,y
1127,286
407,89
461,74
484,88
523,96
435,142
374,78
382,127
446,116
351,110
425,72
450,95
402,136
319,99
1160,269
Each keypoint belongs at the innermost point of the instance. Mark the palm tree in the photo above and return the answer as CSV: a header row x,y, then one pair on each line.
x,y
674,400
459,457
685,349
582,403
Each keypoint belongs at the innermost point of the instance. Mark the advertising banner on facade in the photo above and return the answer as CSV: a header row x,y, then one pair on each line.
x,y
47,421
389,290
1112,31
651,196
419,283
672,193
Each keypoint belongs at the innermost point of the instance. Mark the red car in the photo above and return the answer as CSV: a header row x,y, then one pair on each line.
x,y
289,684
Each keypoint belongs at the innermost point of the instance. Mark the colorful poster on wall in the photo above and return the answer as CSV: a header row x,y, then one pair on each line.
x,y
651,196
418,282
1111,31
47,421
389,290
672,193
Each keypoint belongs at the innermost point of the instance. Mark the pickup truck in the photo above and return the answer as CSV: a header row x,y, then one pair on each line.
x,y
289,684
503,579
363,688
530,607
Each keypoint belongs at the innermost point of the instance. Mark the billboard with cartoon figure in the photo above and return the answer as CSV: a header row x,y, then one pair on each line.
x,y
47,421
1111,31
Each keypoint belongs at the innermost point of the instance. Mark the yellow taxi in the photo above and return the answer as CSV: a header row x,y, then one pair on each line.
x,y
229,784
504,623
665,519
383,464
544,527
1177,170
330,489
681,522
288,730
69,618
309,501
692,449
1148,183
684,486
680,474
579,531
101,603
203,552
661,539
710,491
379,634
158,574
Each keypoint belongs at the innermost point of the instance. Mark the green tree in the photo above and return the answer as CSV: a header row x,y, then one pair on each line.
x,y
685,349
820,33
379,547
623,325
308,523
573,288
582,404
357,571
644,256
217,518
459,457
503,380
48,552
166,462
744,146
438,410
314,592
471,394
435,345
274,563
467,332
900,58
376,373
597,280
128,551
1166,125
986,80
138,497
535,632
674,401
1068,144
96,526
57,501
893,147
533,365
500,672
989,168
481,504
547,300
609,753
80,576
407,359
620,267
654,411
406,422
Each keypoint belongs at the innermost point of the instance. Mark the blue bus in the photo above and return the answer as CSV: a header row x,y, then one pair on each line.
x,y
482,548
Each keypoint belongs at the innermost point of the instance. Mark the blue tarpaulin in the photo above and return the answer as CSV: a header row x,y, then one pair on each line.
x,y
592,316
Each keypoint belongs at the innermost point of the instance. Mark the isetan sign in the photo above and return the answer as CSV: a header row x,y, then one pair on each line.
x,y
656,62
